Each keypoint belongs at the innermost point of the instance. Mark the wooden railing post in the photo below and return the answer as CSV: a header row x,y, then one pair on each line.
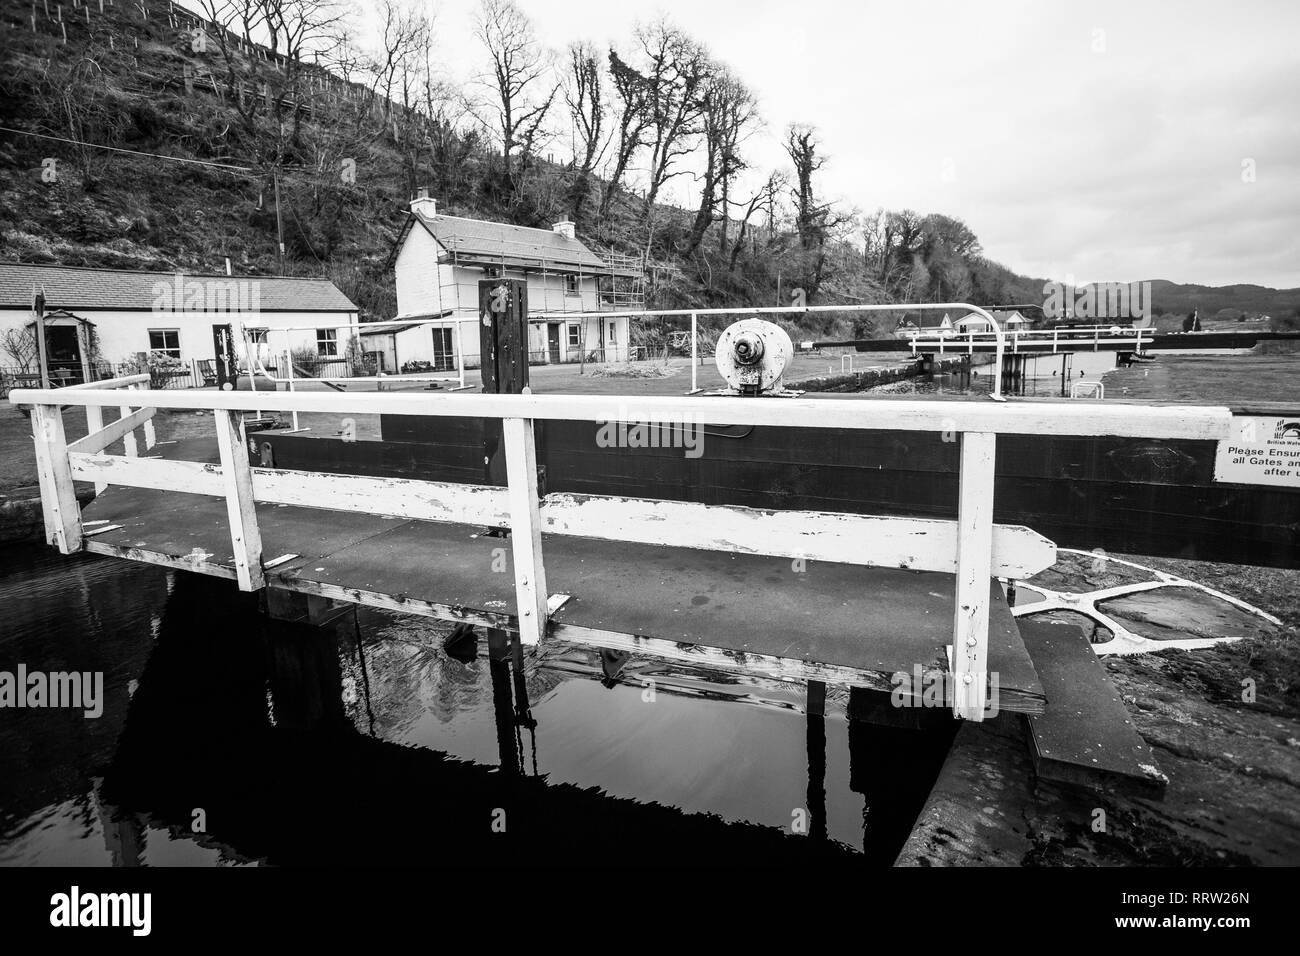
x,y
525,528
970,630
54,471
237,478
128,440
150,438
94,422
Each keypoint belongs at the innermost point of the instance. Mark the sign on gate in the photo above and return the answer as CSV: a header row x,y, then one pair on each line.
x,y
1264,450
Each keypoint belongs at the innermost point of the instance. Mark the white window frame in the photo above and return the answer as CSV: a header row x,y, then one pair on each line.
x,y
330,338
174,352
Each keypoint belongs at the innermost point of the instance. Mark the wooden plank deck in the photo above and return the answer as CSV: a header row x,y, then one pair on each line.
x,y
1086,737
836,623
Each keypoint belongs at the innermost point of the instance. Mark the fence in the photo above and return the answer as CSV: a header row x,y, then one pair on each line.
x,y
972,547
997,336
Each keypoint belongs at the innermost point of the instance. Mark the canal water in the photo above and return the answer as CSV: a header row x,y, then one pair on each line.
x,y
229,739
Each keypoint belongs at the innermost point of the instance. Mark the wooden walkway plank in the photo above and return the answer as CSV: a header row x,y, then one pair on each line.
x,y
1086,736
838,623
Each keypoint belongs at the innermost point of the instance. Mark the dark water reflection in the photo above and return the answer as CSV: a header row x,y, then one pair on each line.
x,y
369,742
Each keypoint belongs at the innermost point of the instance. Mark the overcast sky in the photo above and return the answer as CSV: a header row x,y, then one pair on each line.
x,y
1101,140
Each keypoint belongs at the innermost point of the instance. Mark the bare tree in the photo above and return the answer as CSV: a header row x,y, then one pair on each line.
x,y
293,30
893,243
405,33
676,70
764,197
632,117
20,345
814,221
585,96
728,110
522,93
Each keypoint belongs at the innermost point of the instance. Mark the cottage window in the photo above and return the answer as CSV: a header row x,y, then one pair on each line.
x,y
571,285
166,341
574,333
327,342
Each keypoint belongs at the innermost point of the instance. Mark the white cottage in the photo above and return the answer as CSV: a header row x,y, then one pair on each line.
x,y
99,318
438,261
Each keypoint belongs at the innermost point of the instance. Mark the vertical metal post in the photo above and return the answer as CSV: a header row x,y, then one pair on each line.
x,y
460,351
38,317
695,353
288,364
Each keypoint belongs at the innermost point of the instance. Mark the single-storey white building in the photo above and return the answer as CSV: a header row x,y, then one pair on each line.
x,y
1011,321
96,318
438,261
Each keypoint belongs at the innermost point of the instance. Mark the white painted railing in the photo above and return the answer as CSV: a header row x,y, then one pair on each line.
x,y
1075,339
972,547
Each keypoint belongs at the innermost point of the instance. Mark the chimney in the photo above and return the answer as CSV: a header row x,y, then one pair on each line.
x,y
424,206
564,229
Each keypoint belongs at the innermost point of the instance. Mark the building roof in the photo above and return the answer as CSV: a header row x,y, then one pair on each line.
x,y
85,289
477,241
408,322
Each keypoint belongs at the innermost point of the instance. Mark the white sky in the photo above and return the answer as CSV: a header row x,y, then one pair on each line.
x,y
1120,163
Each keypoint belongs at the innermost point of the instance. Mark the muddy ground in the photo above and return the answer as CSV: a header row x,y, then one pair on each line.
x,y
1232,756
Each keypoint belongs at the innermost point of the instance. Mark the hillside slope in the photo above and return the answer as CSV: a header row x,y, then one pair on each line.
x,y
129,78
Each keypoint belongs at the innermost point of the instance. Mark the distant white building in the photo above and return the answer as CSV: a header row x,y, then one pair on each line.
x,y
439,260
106,317
1008,321
1012,321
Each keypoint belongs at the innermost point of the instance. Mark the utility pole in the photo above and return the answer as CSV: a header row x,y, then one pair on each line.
x,y
279,223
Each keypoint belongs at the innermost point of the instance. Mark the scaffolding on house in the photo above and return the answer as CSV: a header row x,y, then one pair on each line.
x,y
620,287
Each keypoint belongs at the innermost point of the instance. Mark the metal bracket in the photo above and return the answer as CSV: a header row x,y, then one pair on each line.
x,y
1125,641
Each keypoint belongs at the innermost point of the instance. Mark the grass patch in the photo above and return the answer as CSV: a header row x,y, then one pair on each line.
x,y
635,370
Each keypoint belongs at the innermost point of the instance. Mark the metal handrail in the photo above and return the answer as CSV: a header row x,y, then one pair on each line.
x,y
694,314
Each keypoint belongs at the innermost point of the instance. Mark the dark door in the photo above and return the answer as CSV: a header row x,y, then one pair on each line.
x,y
223,346
553,341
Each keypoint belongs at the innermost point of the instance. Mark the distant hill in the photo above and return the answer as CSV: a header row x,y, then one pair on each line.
x,y
1183,298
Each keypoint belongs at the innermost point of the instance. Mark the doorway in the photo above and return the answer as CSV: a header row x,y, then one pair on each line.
x,y
553,341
